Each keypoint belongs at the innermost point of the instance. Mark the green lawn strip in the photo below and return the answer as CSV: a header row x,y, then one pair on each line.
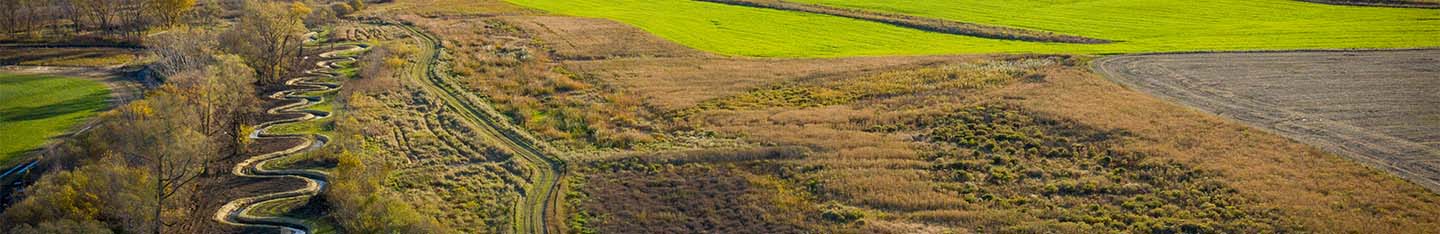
x,y
347,71
289,208
323,35
1138,26
320,126
350,53
35,108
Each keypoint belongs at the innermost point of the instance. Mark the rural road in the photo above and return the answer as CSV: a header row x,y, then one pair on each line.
x,y
237,212
532,214
1381,108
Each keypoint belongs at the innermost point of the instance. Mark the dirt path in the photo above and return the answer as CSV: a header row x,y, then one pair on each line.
x,y
532,214
1381,108
236,212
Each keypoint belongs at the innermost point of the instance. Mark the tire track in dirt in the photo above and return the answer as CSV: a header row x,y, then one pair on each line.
x,y
1377,107
236,212
541,196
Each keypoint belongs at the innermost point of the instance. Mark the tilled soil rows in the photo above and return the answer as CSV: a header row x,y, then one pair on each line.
x,y
1379,107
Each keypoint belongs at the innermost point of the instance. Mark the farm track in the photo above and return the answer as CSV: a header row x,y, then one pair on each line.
x,y
236,212
1381,108
541,197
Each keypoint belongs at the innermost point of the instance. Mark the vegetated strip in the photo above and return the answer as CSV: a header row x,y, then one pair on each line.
x,y
1379,3
921,23
707,155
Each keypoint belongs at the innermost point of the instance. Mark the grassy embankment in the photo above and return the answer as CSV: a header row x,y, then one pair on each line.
x,y
1137,26
34,108
83,57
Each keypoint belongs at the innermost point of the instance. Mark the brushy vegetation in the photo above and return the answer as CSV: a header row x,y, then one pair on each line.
x,y
359,202
632,195
519,77
1032,174
1323,192
68,56
435,8
82,191
1168,26
145,167
416,150
955,147
821,186
34,108
969,76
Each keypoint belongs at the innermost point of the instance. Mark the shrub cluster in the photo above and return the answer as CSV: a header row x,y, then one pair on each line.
x,y
521,79
1067,176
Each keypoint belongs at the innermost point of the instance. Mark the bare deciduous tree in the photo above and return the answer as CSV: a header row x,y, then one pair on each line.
x,y
270,37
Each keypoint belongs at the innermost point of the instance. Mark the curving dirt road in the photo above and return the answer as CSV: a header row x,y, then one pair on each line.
x,y
1381,108
237,212
541,197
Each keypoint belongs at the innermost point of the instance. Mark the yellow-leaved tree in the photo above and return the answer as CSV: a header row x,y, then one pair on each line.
x,y
169,12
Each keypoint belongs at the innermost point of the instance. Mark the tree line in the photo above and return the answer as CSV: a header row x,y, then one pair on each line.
x,y
152,165
115,21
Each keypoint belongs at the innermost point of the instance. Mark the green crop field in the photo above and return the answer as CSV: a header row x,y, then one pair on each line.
x,y
1138,25
34,108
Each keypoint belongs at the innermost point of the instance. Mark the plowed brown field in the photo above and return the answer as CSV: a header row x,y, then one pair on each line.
x,y
1378,107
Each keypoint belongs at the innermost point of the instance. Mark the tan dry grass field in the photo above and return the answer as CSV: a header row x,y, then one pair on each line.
x,y
873,158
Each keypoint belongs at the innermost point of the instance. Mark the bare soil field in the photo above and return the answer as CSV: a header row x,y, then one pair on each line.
x,y
1379,107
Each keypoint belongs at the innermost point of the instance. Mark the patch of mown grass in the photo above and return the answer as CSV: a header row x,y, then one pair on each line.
x,y
303,208
1137,26
307,127
317,126
34,108
347,72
